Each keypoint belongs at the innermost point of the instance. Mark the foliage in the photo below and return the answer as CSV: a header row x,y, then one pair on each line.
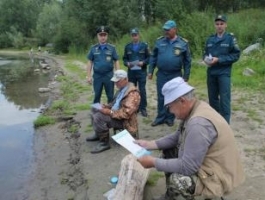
x,y
48,20
16,38
71,24
43,120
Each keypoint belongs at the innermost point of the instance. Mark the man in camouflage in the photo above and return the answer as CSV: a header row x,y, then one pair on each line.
x,y
119,114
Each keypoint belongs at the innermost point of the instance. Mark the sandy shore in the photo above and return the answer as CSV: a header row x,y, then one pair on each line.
x,y
64,169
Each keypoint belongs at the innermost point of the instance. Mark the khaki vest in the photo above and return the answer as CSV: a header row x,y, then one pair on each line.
x,y
221,170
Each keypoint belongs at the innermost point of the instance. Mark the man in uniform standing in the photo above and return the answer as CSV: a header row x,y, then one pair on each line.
x,y
136,58
102,58
171,55
221,51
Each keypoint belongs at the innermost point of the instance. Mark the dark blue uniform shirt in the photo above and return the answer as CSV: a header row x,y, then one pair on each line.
x,y
227,51
103,57
134,52
171,56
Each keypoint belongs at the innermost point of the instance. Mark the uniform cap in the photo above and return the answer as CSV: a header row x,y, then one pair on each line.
x,y
169,25
221,18
174,89
118,75
134,31
102,29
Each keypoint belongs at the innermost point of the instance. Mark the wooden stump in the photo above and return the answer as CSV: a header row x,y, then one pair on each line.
x,y
132,180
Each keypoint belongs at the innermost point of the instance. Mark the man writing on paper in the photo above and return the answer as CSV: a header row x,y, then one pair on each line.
x,y
119,114
201,157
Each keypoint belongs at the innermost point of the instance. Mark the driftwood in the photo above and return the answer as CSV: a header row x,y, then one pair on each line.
x,y
132,180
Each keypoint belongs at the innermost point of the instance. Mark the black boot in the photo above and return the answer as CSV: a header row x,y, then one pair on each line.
x,y
92,138
103,144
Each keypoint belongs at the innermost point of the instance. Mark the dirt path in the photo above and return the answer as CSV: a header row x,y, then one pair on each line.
x,y
65,169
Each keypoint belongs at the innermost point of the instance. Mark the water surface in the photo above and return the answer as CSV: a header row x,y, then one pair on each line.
x,y
20,103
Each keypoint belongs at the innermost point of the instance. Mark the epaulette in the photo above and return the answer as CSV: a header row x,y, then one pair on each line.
x,y
112,45
213,35
160,37
185,40
232,34
128,44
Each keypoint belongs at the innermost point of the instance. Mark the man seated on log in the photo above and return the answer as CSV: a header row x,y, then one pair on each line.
x,y
201,157
119,114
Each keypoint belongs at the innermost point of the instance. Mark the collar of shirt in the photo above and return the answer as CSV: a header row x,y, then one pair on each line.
x,y
119,97
103,46
135,46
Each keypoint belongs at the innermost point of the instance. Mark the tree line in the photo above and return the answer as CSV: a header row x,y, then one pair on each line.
x,y
66,23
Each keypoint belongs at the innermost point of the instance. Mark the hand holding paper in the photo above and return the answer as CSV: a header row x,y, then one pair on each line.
x,y
135,65
125,139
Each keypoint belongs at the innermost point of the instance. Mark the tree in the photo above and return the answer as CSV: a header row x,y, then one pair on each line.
x,y
49,21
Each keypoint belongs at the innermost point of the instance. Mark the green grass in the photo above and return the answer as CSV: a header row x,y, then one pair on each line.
x,y
81,107
43,120
153,177
75,70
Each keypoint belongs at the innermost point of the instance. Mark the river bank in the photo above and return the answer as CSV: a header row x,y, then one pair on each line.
x,y
65,169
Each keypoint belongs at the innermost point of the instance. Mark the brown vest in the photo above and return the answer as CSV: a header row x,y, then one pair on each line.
x,y
221,170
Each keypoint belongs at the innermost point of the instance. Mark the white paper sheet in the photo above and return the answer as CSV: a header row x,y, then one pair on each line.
x,y
125,139
135,65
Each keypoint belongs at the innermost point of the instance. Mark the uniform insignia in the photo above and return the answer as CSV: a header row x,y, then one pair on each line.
x,y
177,52
160,37
108,58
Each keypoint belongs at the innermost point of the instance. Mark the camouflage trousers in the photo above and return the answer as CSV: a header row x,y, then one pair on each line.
x,y
102,123
178,184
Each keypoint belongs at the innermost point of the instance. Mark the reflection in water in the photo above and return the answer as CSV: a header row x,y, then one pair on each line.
x,y
19,105
20,84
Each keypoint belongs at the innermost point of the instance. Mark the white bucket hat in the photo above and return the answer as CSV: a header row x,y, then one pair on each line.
x,y
174,89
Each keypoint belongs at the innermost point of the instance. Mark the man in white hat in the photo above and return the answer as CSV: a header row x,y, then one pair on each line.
x,y
201,157
119,114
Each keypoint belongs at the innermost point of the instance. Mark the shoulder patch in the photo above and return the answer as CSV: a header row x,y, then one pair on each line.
x,y
184,39
160,37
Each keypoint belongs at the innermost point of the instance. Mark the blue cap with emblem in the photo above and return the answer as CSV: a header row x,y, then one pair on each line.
x,y
134,31
169,25
221,18
102,29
